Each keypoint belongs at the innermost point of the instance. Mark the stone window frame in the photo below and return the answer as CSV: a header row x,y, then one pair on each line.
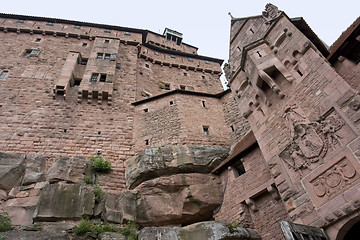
x,y
206,130
32,52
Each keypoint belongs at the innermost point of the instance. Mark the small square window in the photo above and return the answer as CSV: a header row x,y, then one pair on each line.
x,y
171,102
182,87
146,110
146,65
84,61
84,44
100,55
107,31
147,142
77,82
106,41
94,77
206,130
102,77
185,74
203,77
107,56
3,74
118,65
37,39
167,86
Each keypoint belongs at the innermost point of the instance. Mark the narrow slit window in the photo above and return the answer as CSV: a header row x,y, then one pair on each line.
x,y
206,130
147,142
232,128
203,103
300,73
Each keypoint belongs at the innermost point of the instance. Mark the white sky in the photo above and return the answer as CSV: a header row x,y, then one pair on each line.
x,y
204,23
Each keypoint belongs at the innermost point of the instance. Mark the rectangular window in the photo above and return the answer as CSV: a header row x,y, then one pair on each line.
x,y
100,55
107,31
167,86
3,74
182,87
207,62
190,59
127,34
84,61
37,39
172,56
84,44
32,52
50,24
146,65
107,56
20,21
206,130
94,77
203,77
185,74
118,65
77,27
102,77
112,56
106,41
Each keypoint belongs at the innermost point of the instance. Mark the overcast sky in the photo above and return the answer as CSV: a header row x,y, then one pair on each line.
x,y
204,23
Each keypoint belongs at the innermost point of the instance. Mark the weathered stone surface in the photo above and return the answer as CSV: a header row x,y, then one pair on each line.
x,y
36,235
199,231
111,236
12,169
119,207
66,169
35,167
21,210
167,160
177,199
3,195
65,201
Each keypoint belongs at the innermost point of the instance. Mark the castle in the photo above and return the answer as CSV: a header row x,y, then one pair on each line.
x,y
276,156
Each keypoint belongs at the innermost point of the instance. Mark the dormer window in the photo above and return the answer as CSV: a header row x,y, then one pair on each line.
x,y
172,35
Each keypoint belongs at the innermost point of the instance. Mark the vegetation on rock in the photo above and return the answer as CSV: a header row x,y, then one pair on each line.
x,y
101,165
5,222
99,194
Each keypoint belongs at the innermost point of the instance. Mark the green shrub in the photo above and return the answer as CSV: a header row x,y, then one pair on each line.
x,y
100,164
99,194
88,226
130,230
5,222
88,180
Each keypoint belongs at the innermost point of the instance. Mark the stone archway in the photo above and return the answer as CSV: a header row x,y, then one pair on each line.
x,y
350,229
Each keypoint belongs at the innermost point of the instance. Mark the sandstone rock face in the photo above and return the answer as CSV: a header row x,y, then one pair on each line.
x,y
65,201
199,231
175,199
21,210
111,236
119,207
35,167
66,169
167,160
12,169
36,235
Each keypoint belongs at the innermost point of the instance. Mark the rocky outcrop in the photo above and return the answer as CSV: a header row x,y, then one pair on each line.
x,y
12,168
36,235
65,201
174,159
69,170
175,199
199,231
35,168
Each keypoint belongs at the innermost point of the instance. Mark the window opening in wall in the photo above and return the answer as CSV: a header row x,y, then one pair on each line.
x,y
65,130
182,87
106,41
251,31
37,39
206,130
157,53
203,103
232,128
300,73
146,110
102,77
207,62
258,52
84,61
147,142
77,27
167,86
107,56
239,168
185,74
50,24
100,55
203,77
171,102
99,132
172,56
94,77
118,65
127,34
84,44
146,65
20,21
31,52
107,31
95,94
77,82
190,59
3,74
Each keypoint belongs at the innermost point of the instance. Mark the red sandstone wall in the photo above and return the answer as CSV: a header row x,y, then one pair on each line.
x,y
349,71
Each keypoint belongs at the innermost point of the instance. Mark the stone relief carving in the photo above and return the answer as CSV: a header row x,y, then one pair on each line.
x,y
271,12
310,140
334,179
